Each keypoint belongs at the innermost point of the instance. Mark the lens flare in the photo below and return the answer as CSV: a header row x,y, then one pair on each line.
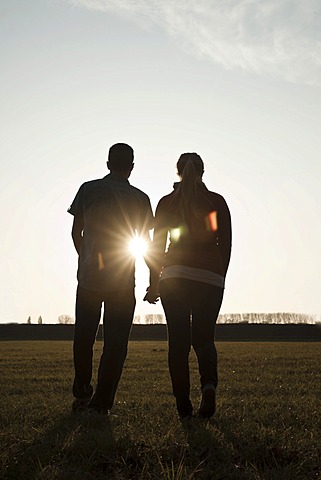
x,y
175,234
211,221
137,247
101,265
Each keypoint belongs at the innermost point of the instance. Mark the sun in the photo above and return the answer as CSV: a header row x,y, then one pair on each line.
x,y
137,247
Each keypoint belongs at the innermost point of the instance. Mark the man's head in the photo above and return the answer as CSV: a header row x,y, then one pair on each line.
x,y
121,159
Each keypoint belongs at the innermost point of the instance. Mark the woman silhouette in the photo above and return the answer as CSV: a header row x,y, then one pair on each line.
x,y
189,278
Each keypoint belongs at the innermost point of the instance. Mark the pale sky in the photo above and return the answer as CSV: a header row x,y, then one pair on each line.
x,y
237,81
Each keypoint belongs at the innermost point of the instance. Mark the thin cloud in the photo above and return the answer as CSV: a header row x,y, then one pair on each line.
x,y
281,38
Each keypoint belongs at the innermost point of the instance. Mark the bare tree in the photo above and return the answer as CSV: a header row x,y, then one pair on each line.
x,y
148,319
29,320
158,318
65,320
40,320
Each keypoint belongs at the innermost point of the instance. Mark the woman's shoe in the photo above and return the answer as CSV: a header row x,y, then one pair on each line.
x,y
208,402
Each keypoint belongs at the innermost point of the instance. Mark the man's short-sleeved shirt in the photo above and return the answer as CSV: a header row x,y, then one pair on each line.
x,y
112,211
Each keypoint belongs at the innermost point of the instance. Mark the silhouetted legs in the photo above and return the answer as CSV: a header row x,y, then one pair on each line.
x,y
191,310
88,311
119,309
118,318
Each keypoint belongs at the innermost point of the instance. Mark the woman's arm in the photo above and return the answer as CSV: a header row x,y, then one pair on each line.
x,y
225,235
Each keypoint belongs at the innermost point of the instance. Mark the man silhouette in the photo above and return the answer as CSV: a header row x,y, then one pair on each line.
x,y
107,212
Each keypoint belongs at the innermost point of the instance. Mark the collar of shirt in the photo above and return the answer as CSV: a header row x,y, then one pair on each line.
x,y
114,178
177,184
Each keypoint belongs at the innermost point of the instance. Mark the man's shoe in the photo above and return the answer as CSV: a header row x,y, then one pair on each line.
x,y
92,408
80,404
82,396
185,416
184,409
208,403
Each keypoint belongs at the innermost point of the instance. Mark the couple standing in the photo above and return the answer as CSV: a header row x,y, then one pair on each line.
x,y
188,276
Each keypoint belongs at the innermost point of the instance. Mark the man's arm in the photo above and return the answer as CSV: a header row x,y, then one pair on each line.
x,y
145,225
76,209
156,256
77,231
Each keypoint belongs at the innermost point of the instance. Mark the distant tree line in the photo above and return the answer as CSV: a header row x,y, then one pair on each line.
x,y
266,318
149,319
269,318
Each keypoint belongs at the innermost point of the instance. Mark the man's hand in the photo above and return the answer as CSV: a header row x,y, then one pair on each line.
x,y
151,296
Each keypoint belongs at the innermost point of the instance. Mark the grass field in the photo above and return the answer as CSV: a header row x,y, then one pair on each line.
x,y
267,424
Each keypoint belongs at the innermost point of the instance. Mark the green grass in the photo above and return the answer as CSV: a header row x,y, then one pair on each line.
x,y
267,424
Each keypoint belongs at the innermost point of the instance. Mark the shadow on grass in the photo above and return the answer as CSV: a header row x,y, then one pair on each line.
x,y
90,446
216,451
78,446
209,455
259,451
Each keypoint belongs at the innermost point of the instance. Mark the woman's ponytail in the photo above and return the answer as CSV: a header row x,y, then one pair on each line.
x,y
190,167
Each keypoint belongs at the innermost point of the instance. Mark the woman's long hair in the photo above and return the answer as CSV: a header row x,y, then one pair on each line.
x,y
190,168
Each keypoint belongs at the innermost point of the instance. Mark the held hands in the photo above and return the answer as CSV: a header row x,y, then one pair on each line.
x,y
151,296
